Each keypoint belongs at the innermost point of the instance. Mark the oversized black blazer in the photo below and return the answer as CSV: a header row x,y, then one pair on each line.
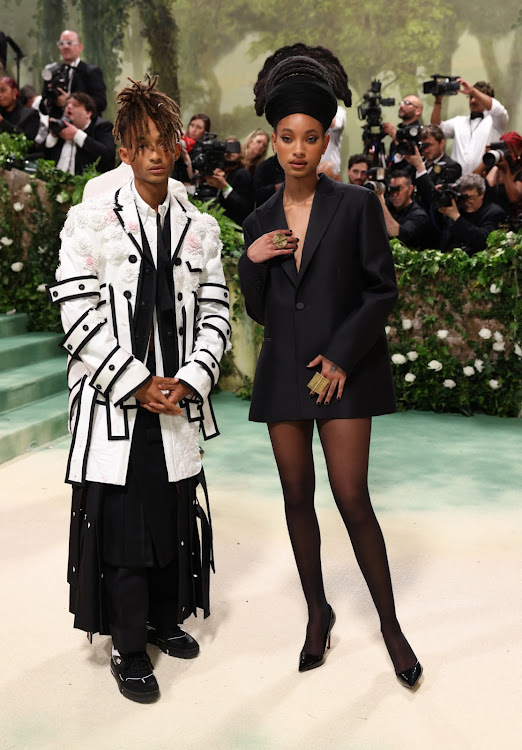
x,y
337,306
89,78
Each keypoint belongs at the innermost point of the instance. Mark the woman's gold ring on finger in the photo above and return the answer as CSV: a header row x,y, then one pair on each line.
x,y
279,240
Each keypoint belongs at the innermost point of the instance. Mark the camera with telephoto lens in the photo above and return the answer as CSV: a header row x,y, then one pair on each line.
x,y
497,152
407,138
443,196
208,154
441,85
56,126
55,77
376,181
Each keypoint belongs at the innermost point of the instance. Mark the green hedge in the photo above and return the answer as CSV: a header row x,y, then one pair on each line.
x,y
455,335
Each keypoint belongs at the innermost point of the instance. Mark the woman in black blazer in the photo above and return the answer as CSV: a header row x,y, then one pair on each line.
x,y
318,275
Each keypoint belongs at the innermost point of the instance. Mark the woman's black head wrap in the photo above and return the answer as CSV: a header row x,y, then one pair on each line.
x,y
301,79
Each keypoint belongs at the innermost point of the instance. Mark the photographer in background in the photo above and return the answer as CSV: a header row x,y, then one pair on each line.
x,y
404,218
433,167
468,219
358,168
487,120
410,110
234,184
15,118
70,76
80,137
502,167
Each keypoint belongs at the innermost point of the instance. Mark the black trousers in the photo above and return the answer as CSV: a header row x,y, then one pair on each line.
x,y
136,596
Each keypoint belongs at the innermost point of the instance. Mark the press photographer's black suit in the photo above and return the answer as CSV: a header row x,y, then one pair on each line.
x,y
98,144
87,78
337,306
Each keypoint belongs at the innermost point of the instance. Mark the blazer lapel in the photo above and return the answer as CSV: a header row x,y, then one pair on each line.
x,y
274,217
123,199
180,222
324,207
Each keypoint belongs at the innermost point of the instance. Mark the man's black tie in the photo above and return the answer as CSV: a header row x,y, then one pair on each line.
x,y
474,115
165,309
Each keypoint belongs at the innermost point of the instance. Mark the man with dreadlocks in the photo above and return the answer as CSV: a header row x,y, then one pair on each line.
x,y
145,311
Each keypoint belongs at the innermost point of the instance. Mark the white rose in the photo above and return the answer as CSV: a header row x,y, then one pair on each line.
x,y
494,289
479,365
17,267
485,333
407,324
6,241
449,384
27,189
510,238
498,336
18,206
435,365
443,334
518,350
62,197
410,377
412,356
468,371
398,359
387,330
494,384
499,346
41,288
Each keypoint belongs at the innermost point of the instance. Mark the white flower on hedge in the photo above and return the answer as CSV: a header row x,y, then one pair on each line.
x,y
442,334
410,377
407,324
17,267
518,350
510,238
6,241
41,288
412,356
494,384
18,206
499,346
494,289
449,383
41,250
398,359
435,365
479,365
387,330
468,371
498,336
60,198
485,333
27,189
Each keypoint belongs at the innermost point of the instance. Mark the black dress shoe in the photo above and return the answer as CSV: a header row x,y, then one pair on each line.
x,y
311,661
173,642
409,677
135,676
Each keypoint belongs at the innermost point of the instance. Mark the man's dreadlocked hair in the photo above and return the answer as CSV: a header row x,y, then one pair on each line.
x,y
301,59
140,101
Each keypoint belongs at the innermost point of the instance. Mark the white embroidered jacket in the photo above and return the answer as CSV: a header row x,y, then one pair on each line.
x,y
97,287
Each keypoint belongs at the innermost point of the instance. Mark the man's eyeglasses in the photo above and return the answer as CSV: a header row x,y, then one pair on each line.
x,y
407,102
66,43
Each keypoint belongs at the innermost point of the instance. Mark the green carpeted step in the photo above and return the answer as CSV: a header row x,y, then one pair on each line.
x,y
28,348
25,385
12,325
33,425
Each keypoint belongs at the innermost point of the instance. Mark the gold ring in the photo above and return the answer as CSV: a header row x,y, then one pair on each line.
x,y
279,240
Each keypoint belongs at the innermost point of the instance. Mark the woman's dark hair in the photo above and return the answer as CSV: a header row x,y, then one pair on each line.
x,y
205,118
300,59
138,102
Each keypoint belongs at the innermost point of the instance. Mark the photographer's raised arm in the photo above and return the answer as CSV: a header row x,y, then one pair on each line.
x,y
392,227
436,117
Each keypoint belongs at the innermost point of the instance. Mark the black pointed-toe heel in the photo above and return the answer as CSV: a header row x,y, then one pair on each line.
x,y
311,661
410,677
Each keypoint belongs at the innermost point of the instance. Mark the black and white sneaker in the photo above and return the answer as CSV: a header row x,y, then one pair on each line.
x,y
173,642
135,676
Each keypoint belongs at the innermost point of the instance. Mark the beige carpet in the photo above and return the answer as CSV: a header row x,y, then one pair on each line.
x,y
457,581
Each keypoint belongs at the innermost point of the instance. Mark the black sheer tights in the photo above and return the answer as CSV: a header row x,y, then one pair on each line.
x,y
346,444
